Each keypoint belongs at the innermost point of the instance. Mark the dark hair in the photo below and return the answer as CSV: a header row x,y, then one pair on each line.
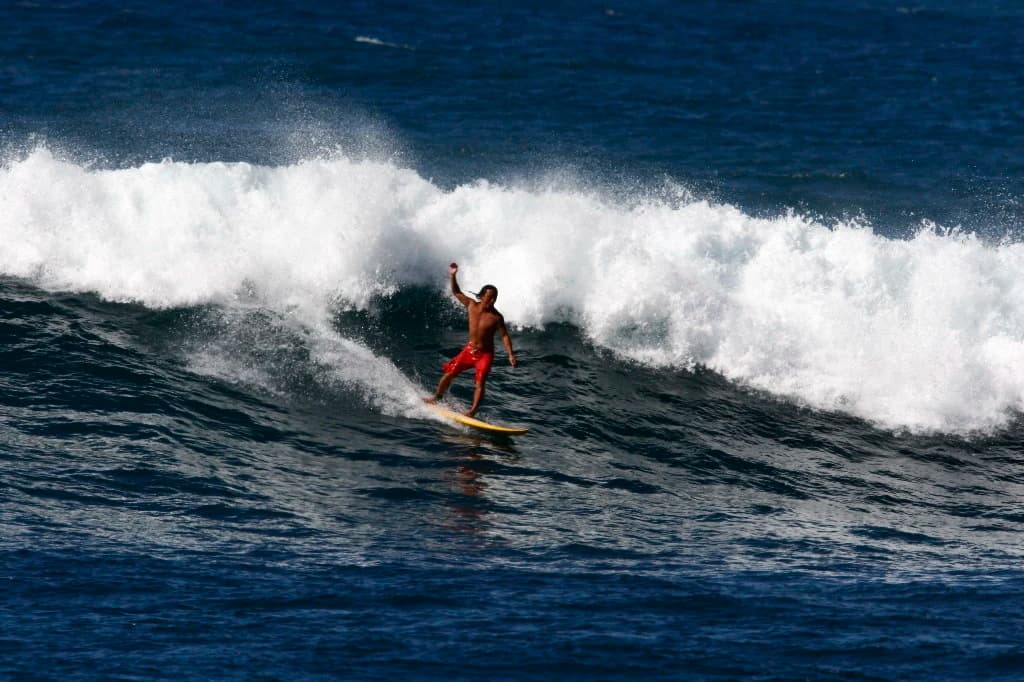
x,y
485,287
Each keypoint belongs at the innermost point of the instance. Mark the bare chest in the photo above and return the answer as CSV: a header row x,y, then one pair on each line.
x,y
483,322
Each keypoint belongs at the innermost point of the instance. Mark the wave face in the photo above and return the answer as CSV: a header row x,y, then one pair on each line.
x,y
924,334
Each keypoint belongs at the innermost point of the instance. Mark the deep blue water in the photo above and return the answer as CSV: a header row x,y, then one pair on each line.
x,y
762,264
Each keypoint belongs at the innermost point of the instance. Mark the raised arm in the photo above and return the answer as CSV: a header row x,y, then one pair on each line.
x,y
456,291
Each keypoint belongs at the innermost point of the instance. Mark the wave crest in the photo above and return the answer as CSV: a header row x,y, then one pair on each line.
x,y
925,334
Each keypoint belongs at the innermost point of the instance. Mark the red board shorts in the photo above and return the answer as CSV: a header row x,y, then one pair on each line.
x,y
470,357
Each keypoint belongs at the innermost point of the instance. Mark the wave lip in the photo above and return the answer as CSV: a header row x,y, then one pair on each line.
x,y
922,334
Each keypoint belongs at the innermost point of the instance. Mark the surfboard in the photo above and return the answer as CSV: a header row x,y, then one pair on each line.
x,y
476,423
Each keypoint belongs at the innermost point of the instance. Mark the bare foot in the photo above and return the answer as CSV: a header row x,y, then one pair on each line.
x,y
469,413
430,399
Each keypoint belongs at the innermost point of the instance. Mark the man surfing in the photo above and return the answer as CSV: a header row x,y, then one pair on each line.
x,y
484,322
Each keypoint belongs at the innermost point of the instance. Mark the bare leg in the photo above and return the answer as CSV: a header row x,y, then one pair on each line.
x,y
442,386
478,397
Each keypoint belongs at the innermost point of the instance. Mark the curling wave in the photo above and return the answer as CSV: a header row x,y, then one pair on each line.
x,y
923,334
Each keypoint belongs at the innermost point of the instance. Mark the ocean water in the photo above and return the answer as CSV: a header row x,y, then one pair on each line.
x,y
763,267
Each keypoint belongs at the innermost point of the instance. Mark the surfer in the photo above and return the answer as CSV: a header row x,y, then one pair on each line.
x,y
484,322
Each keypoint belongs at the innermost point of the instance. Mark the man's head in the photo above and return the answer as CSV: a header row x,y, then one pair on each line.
x,y
488,294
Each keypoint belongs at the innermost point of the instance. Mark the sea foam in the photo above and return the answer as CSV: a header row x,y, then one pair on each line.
x,y
923,334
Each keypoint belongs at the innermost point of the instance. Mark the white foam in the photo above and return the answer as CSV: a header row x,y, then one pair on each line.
x,y
925,334
370,40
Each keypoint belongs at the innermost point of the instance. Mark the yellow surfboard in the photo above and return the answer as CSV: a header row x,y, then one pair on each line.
x,y
476,423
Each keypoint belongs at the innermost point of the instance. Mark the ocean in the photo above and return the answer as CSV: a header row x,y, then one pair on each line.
x,y
762,264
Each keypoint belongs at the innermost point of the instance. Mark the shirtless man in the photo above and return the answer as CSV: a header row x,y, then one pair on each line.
x,y
484,321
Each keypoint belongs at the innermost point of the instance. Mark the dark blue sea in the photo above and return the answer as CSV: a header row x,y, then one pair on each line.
x,y
763,268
